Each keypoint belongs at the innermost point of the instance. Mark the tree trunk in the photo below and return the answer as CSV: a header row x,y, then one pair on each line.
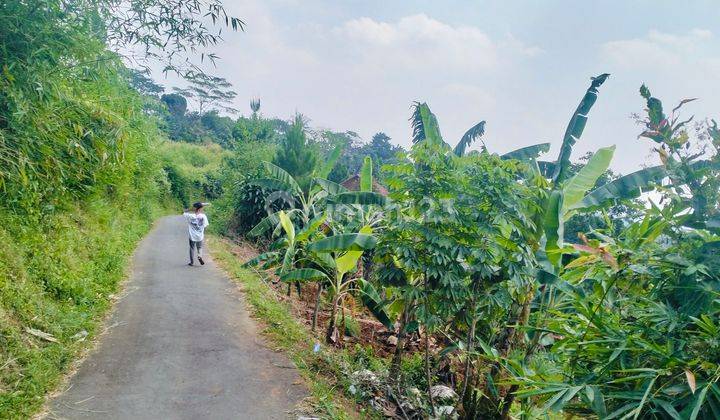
x,y
317,306
331,325
428,376
470,347
394,373
470,344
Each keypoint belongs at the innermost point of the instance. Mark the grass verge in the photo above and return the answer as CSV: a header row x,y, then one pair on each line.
x,y
58,277
321,370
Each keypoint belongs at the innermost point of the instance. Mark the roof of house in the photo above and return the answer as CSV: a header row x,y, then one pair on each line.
x,y
353,184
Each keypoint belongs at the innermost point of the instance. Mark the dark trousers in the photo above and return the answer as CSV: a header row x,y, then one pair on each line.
x,y
195,246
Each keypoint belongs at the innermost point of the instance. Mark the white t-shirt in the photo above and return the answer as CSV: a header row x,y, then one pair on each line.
x,y
196,225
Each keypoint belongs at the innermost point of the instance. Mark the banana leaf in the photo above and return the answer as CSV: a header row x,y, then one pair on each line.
x,y
344,242
303,275
330,187
366,175
424,125
576,187
372,300
262,258
330,161
528,152
575,128
474,133
269,183
311,228
362,198
287,225
553,226
270,222
285,178
625,187
546,168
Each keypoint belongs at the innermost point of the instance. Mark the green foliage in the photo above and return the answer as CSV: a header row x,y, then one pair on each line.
x,y
296,155
193,171
58,277
210,92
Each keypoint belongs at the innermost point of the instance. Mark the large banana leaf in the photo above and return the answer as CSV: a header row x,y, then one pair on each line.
x,y
269,222
344,242
311,228
575,128
285,178
287,226
583,181
372,300
366,175
360,198
425,125
288,258
330,187
303,275
269,183
262,258
528,152
474,133
553,226
330,161
625,187
546,168
347,262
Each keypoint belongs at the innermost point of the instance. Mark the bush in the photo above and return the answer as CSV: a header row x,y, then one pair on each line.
x,y
193,170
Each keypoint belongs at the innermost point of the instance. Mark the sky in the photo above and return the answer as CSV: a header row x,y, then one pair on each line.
x,y
522,66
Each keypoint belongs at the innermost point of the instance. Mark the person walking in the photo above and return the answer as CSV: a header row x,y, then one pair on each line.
x,y
197,222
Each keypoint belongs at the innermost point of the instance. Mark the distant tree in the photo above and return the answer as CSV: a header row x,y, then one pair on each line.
x,y
176,104
255,128
381,151
210,93
295,153
143,83
255,106
219,128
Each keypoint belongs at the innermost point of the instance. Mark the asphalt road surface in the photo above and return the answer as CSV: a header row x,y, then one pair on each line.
x,y
180,345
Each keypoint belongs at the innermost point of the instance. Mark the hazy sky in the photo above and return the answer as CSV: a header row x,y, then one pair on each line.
x,y
521,65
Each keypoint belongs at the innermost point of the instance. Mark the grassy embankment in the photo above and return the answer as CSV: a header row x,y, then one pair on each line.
x,y
59,278
59,275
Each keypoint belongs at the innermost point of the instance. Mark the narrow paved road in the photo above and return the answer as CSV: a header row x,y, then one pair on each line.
x,y
180,345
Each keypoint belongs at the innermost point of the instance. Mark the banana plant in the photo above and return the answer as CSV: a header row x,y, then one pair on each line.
x,y
305,205
363,207
289,249
336,257
426,128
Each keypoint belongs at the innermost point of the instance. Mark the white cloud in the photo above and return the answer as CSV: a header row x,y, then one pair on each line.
x,y
656,49
419,41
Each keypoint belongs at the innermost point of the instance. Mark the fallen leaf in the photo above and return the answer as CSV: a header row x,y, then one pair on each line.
x,y
41,334
691,380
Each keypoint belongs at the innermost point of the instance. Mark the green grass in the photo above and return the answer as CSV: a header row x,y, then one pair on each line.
x,y
322,371
58,276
